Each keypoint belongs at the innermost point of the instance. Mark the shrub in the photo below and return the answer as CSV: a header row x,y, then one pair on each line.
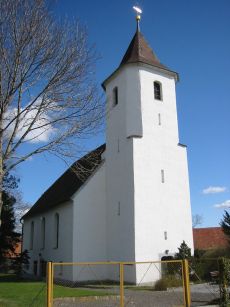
x,y
167,282
204,262
184,252
224,266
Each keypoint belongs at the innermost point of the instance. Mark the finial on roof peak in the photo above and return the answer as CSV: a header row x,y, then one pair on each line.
x,y
138,16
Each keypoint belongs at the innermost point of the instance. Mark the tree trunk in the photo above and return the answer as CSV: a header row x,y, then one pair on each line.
x,y
1,174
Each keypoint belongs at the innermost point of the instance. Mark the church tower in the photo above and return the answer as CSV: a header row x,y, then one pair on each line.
x,y
147,184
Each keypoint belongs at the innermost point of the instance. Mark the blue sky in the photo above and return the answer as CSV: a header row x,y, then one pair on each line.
x,y
190,37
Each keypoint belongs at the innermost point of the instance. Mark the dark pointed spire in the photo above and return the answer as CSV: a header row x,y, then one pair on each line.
x,y
139,51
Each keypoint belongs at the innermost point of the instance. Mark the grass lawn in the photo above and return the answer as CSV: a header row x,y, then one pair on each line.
x,y
15,292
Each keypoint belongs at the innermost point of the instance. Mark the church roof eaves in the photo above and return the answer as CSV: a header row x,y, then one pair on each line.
x,y
68,183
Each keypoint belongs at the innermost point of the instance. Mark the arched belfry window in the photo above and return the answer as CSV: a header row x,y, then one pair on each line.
x,y
56,230
157,90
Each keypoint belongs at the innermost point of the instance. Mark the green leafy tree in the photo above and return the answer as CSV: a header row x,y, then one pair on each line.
x,y
8,237
225,224
184,252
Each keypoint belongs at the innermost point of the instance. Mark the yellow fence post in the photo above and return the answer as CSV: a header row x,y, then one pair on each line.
x,y
52,283
49,284
187,296
121,284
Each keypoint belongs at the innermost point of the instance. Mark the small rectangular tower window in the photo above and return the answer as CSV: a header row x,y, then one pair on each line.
x,y
119,209
159,119
157,90
162,176
115,96
165,235
118,145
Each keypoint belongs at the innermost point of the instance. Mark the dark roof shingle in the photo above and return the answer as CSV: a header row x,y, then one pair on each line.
x,y
66,185
139,51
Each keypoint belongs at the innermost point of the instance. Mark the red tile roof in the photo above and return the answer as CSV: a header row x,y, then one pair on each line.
x,y
209,238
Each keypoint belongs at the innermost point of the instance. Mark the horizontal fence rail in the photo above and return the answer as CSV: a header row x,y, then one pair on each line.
x,y
144,283
169,283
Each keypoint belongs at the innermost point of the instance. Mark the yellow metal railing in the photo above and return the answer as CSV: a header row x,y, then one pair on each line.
x,y
186,284
121,285
120,265
49,284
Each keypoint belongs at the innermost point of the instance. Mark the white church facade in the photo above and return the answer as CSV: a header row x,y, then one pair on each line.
x,y
135,204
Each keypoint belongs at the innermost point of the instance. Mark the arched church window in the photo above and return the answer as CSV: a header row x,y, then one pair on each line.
x,y
56,230
32,235
43,232
157,90
115,96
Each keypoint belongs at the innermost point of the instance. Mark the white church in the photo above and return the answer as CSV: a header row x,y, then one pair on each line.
x,y
135,204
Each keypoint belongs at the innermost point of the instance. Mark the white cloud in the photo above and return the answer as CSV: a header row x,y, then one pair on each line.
x,y
41,131
225,204
214,190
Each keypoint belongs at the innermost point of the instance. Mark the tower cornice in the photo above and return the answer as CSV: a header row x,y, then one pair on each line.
x,y
172,73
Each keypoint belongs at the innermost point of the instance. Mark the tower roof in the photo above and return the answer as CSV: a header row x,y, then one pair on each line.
x,y
139,51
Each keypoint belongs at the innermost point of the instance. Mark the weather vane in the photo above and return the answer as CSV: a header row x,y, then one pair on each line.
x,y
138,15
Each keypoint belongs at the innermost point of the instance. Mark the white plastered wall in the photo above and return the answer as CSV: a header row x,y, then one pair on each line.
x,y
161,209
89,244
123,121
148,208
50,252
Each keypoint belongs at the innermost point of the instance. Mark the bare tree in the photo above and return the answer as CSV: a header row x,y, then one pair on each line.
x,y
48,98
197,220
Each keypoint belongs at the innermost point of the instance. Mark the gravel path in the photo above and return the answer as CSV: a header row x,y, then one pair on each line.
x,y
201,295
